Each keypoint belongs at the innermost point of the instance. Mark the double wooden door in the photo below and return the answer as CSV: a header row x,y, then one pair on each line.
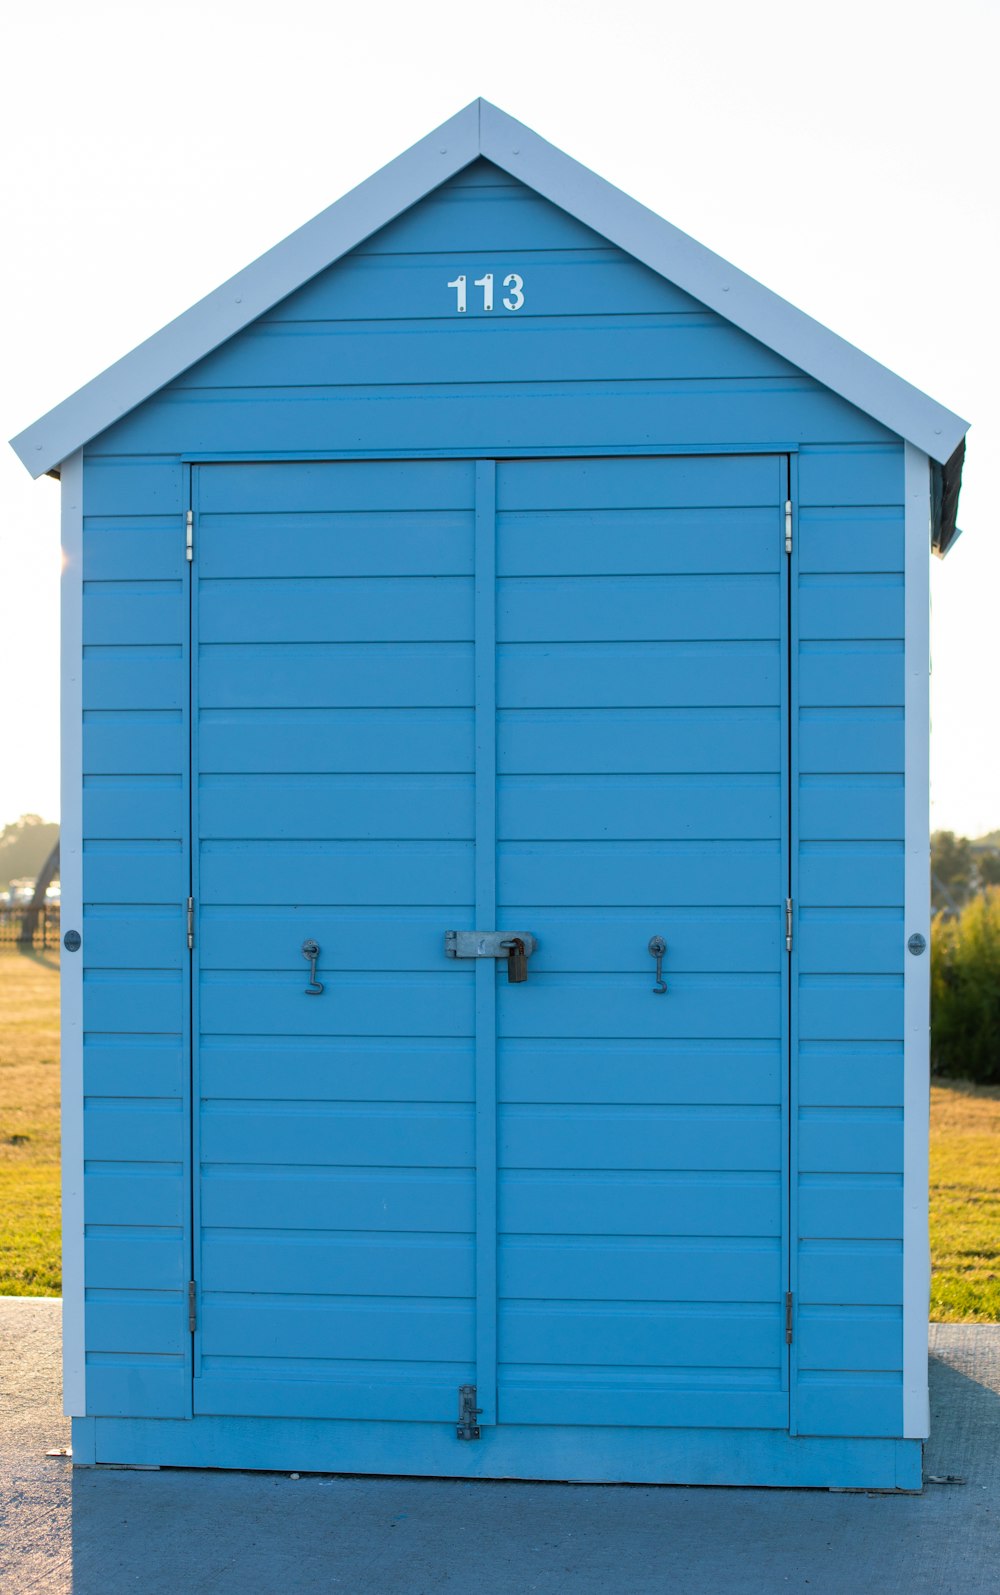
x,y
539,695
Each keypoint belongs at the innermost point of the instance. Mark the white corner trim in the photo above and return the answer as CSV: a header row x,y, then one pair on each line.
x,y
483,129
916,969
71,918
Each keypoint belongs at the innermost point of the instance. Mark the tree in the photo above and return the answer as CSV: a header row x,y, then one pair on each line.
x,y
965,991
952,868
988,866
25,845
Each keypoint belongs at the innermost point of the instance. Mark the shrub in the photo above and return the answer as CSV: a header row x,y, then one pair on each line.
x,y
965,991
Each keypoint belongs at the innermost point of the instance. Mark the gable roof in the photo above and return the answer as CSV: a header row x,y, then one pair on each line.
x,y
483,130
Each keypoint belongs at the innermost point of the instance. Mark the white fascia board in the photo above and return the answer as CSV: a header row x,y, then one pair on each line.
x,y
916,922
251,293
675,255
71,918
482,129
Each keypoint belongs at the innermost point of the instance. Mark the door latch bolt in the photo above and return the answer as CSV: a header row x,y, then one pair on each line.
x,y
468,1412
310,951
657,948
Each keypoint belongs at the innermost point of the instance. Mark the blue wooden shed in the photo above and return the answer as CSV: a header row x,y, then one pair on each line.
x,y
490,582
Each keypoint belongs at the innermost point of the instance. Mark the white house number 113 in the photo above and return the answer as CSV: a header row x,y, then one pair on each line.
x,y
513,300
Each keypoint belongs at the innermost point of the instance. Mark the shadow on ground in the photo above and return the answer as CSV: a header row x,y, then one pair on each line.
x,y
47,959
101,1531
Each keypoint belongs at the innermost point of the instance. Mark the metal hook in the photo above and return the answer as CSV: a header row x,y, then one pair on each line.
x,y
657,948
310,950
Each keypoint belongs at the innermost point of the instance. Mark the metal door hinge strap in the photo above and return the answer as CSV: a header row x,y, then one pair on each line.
x,y
190,923
468,1412
789,1317
789,911
189,534
788,526
192,1306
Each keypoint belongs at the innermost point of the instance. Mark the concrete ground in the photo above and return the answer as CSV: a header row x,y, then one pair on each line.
x,y
101,1531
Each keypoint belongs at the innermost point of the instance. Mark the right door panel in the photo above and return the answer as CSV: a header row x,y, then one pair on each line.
x,y
642,764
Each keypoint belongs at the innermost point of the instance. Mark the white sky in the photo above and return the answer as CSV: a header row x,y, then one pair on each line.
x,y
844,153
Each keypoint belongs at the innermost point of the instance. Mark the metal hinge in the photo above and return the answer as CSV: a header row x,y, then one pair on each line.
x,y
189,534
788,526
789,913
190,923
789,1317
468,1412
192,1306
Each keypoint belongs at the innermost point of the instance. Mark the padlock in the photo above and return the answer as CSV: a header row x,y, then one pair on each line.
x,y
517,961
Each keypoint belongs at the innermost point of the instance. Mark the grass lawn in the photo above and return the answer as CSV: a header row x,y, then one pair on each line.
x,y
29,1124
965,1160
965,1202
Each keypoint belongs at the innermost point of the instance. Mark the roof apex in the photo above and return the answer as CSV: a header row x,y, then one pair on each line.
x,y
483,129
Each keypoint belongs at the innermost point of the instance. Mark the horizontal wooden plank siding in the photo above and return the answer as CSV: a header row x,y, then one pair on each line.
x,y
604,353
135,994
850,940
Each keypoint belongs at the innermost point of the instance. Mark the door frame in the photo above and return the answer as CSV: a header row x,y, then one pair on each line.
x,y
486,1291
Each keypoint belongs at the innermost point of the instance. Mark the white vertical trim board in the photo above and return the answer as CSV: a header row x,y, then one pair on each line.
x,y
71,916
916,968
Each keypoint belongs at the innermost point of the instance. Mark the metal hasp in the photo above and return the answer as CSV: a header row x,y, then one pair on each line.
x,y
468,1412
486,943
657,948
310,950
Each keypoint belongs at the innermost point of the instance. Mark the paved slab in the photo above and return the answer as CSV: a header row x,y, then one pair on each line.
x,y
102,1531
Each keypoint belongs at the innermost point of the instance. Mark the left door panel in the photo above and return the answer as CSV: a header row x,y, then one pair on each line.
x,y
332,801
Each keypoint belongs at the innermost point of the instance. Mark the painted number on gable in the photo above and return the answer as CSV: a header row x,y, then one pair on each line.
x,y
513,299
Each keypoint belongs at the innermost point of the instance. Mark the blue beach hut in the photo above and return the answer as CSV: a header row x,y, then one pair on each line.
x,y
495,856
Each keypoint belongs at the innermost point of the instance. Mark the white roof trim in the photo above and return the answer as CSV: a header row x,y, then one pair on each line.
x,y
482,129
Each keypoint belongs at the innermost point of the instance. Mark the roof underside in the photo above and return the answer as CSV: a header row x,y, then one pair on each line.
x,y
946,482
483,130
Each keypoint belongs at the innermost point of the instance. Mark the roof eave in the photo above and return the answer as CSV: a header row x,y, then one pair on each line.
x,y
706,276
249,294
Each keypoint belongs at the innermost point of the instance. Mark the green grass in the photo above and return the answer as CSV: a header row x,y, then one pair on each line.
x,y
29,1232
29,1125
965,1202
965,1160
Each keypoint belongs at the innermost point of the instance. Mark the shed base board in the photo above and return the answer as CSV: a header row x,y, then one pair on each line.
x,y
753,1457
